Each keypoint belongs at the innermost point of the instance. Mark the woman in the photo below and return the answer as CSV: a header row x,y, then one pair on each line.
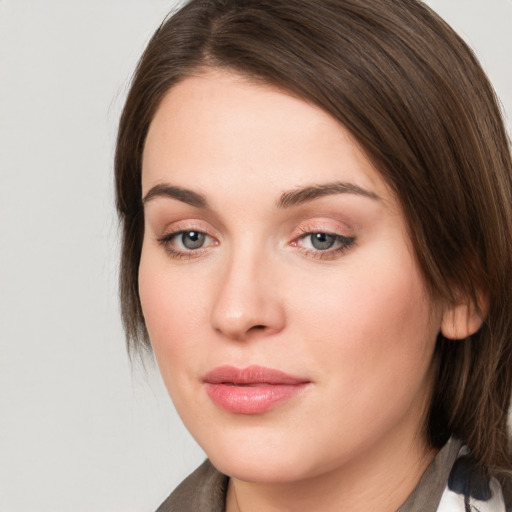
x,y
316,208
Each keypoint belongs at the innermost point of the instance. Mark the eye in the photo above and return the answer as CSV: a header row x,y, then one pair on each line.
x,y
186,243
191,239
322,241
324,245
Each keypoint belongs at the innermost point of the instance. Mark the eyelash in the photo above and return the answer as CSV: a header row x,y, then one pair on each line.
x,y
342,244
166,242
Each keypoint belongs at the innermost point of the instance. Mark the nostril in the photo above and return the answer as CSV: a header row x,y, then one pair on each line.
x,y
257,327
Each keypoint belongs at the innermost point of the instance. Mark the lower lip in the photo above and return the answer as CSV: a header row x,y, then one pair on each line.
x,y
252,399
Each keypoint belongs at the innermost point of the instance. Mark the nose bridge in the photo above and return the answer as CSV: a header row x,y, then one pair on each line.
x,y
246,300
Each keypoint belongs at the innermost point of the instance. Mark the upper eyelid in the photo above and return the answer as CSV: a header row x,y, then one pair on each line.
x,y
319,225
341,229
188,225
173,234
345,238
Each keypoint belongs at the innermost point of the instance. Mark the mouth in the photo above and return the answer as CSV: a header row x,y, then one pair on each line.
x,y
251,390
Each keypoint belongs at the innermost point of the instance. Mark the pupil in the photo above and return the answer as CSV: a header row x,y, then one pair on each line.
x,y
322,241
192,239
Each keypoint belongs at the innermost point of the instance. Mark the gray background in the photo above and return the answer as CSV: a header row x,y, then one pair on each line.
x,y
80,429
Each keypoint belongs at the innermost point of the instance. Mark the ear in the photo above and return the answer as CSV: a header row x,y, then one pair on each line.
x,y
464,317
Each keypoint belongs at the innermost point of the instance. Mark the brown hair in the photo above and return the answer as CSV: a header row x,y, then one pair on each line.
x,y
414,96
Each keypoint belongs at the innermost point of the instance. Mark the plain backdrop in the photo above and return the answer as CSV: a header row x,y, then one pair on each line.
x,y
81,430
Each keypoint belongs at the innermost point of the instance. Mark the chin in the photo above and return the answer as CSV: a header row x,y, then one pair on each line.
x,y
264,458
260,469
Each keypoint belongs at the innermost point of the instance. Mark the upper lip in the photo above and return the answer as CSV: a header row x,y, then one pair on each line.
x,y
251,375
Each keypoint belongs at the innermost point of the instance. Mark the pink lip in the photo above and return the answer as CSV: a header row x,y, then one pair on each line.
x,y
251,390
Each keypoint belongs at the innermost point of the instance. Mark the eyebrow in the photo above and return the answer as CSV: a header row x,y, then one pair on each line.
x,y
287,199
306,194
181,194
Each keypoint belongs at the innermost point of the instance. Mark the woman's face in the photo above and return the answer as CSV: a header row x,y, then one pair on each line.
x,y
283,300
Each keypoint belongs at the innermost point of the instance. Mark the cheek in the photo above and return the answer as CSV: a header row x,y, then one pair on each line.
x,y
373,326
173,307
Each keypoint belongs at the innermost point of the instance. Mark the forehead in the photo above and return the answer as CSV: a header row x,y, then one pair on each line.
x,y
218,126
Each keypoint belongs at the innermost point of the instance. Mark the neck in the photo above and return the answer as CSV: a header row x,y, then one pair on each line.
x,y
380,479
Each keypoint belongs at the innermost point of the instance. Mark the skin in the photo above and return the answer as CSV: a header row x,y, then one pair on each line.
x,y
357,322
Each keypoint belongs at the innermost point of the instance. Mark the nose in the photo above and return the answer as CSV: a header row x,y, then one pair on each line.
x,y
248,301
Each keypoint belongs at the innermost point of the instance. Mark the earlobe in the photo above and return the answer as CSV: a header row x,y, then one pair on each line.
x,y
463,319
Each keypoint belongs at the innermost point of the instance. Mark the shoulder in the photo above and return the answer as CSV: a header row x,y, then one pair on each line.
x,y
470,487
455,483
204,490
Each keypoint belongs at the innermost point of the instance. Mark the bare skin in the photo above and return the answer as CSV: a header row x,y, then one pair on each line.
x,y
271,240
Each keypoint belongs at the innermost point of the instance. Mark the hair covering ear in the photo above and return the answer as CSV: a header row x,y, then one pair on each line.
x,y
463,318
